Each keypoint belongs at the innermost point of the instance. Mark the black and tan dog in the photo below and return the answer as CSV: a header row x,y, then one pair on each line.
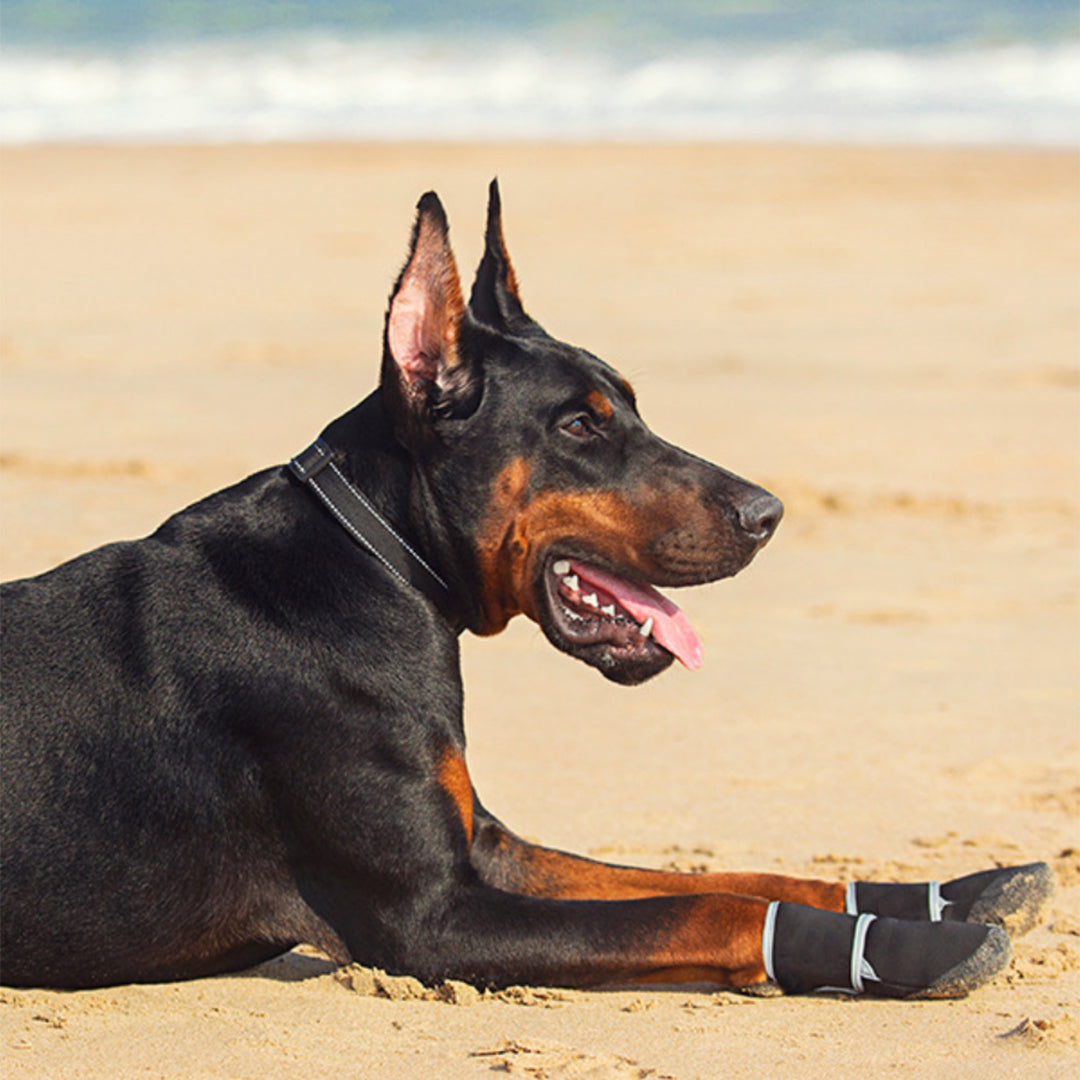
x,y
245,731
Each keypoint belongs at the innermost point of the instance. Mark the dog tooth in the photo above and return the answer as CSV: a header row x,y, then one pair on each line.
x,y
562,567
591,600
646,627
571,582
608,610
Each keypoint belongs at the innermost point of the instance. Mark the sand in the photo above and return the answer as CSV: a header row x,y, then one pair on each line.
x,y
887,338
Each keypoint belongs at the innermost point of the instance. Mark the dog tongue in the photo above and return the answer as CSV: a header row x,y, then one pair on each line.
x,y
671,628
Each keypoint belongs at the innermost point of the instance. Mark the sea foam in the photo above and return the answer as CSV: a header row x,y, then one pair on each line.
x,y
400,87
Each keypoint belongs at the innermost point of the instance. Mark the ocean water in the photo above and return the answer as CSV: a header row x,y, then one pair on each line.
x,y
954,72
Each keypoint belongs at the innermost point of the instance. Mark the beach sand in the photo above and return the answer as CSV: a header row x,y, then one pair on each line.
x,y
886,338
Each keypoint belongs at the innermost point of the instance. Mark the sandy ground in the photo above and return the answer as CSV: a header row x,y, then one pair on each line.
x,y
886,338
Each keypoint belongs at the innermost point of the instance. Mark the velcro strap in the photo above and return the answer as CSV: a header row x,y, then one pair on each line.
x,y
860,967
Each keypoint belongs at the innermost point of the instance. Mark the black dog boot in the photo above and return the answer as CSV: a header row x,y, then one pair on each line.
x,y
1012,898
807,949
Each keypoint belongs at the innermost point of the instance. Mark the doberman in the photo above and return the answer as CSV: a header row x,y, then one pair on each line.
x,y
245,732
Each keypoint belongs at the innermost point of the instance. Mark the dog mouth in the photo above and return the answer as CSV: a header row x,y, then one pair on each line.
x,y
626,629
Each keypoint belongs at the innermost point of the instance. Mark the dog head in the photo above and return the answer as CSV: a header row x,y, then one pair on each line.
x,y
543,491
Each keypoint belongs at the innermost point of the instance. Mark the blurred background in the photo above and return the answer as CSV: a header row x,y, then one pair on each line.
x,y
928,71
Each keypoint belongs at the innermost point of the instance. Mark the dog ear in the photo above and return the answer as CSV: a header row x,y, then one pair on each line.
x,y
423,372
495,299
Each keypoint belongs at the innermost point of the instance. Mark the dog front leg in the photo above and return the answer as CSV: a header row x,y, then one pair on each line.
x,y
493,938
507,862
1013,897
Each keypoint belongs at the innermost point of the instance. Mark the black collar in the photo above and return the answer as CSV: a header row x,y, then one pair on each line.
x,y
315,468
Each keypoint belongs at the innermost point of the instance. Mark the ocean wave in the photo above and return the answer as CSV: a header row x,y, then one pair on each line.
x,y
320,87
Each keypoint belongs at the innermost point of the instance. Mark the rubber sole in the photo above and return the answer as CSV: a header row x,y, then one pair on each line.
x,y
1015,900
988,960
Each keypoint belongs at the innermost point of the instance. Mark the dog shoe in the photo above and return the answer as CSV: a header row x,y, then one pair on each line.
x,y
807,949
1013,898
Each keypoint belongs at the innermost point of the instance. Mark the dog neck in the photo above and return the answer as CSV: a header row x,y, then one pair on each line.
x,y
359,471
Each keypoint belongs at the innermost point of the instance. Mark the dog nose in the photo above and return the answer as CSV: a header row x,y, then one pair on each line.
x,y
760,515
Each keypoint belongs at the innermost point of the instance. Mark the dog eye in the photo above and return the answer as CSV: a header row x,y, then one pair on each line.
x,y
581,427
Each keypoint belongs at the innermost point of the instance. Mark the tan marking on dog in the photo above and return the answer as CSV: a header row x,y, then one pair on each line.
x,y
453,778
622,527
497,601
510,281
718,939
539,871
600,404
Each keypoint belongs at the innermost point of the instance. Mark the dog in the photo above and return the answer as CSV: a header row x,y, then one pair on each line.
x,y
244,732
